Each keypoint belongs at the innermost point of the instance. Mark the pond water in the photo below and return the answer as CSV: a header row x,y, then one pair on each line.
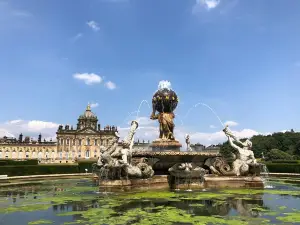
x,y
79,202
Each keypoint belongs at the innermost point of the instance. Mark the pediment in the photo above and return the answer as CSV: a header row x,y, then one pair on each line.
x,y
87,131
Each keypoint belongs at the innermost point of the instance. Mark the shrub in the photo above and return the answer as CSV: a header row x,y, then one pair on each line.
x,y
11,162
85,164
24,170
283,167
285,161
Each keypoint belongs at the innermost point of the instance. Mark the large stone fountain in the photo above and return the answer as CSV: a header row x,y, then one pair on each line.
x,y
167,166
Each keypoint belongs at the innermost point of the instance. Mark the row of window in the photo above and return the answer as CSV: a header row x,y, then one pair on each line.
x,y
67,155
80,141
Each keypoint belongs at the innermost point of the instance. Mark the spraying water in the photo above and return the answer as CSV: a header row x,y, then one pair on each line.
x,y
208,108
138,111
265,177
179,117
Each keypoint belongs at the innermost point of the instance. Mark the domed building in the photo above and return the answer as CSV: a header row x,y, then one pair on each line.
x,y
85,141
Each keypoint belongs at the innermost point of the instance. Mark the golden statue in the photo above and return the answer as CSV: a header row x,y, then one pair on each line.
x,y
166,125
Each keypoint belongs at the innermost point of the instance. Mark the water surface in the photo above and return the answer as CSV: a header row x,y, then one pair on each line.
x,y
79,202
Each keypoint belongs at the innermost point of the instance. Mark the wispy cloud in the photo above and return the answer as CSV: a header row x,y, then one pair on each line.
x,y
94,105
21,13
77,37
148,130
212,126
8,11
88,78
110,85
231,123
93,25
206,4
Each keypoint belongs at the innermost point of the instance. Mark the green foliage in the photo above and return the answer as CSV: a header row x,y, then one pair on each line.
x,y
38,170
276,154
85,164
286,161
227,151
288,142
283,168
10,162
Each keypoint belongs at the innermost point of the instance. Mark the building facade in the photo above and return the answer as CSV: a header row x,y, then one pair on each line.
x,y
83,142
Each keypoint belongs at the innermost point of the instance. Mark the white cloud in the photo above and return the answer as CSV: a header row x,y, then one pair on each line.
x,y
21,13
36,125
94,105
149,130
77,37
212,126
94,25
231,123
207,4
145,121
31,128
88,78
14,121
110,85
6,133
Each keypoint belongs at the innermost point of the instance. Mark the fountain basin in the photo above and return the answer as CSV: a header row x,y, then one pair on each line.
x,y
170,182
161,161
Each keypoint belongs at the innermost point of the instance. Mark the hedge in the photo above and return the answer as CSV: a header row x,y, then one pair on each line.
x,y
85,164
11,162
283,167
286,161
25,170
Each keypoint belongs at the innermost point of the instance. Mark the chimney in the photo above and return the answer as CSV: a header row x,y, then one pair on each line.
x,y
40,138
21,137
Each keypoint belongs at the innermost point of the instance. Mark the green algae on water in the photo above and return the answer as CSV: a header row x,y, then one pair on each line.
x,y
25,208
293,217
40,222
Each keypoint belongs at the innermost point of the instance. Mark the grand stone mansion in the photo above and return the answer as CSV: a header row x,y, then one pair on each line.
x,y
82,142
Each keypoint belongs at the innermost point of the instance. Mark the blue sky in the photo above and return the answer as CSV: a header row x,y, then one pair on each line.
x,y
242,58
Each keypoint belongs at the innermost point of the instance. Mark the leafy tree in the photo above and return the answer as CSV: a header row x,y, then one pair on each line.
x,y
276,154
288,142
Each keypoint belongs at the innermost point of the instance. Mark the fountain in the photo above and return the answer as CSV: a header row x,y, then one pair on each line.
x,y
167,166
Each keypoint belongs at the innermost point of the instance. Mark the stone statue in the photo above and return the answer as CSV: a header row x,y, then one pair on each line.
x,y
187,170
244,156
188,143
244,161
166,125
116,163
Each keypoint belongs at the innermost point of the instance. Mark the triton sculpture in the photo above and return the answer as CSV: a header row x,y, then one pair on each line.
x,y
115,163
244,161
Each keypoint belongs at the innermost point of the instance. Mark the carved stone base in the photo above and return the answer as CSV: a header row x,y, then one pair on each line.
x,y
156,182
233,182
215,182
165,145
163,182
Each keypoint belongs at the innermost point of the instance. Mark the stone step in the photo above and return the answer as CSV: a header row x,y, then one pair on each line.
x,y
3,176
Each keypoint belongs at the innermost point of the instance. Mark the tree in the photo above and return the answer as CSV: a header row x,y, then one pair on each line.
x,y
276,154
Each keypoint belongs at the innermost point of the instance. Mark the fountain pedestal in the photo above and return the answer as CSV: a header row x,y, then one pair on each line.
x,y
165,145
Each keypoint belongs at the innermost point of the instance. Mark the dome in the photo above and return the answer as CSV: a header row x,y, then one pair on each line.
x,y
88,113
